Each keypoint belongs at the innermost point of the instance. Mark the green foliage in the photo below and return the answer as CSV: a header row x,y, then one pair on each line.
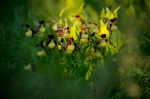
x,y
83,74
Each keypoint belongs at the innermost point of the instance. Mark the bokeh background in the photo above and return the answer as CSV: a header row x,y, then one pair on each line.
x,y
15,83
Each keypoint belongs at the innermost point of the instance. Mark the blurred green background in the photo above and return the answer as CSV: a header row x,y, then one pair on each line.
x,y
15,83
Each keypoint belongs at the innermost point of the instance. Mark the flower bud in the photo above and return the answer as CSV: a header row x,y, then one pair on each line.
x,y
84,36
113,27
29,67
98,54
66,35
103,43
41,53
71,47
51,45
42,30
83,41
28,33
69,51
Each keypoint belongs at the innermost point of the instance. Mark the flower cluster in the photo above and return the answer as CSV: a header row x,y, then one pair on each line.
x,y
94,36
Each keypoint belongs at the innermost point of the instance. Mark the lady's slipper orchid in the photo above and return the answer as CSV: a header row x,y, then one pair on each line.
x,y
70,48
41,28
113,27
30,32
103,41
112,16
83,38
41,53
98,53
29,67
52,43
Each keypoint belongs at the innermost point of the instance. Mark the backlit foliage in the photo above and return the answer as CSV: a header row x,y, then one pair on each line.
x,y
78,44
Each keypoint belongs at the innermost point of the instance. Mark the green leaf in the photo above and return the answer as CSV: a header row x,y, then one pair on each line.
x,y
81,11
47,31
74,32
115,11
60,21
66,23
81,7
117,96
102,15
51,31
61,12
29,20
77,82
117,38
88,74
17,17
109,91
146,38
71,18
83,70
41,17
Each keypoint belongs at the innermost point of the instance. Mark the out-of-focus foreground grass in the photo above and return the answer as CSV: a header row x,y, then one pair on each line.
x,y
133,21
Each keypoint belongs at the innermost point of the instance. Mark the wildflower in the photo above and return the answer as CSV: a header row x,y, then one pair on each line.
x,y
98,51
41,28
29,67
30,32
113,27
103,41
51,43
41,53
83,36
66,32
70,46
112,18
104,30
